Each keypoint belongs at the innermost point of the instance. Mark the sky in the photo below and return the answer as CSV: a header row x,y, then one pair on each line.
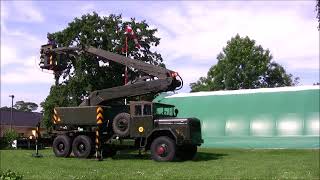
x,y
192,34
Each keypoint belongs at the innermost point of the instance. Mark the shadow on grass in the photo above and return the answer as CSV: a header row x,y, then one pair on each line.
x,y
200,156
133,155
205,156
125,155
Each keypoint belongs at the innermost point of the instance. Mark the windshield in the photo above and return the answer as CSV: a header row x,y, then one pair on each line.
x,y
163,110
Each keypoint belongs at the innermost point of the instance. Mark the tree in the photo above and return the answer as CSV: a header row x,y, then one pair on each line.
x,y
84,74
22,106
9,136
25,106
6,108
244,65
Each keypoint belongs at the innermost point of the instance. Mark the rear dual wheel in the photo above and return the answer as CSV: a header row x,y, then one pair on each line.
x,y
62,146
82,146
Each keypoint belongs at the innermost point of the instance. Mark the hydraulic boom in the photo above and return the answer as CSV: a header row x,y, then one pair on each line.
x,y
161,79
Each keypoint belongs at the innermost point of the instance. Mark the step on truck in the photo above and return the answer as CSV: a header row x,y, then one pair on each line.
x,y
98,128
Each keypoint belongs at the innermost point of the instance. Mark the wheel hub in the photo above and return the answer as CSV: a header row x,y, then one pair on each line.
x,y
162,150
61,147
81,147
123,124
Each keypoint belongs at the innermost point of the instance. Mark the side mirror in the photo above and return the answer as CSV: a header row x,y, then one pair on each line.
x,y
176,111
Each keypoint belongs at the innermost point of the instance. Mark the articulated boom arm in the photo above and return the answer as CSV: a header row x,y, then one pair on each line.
x,y
166,78
150,69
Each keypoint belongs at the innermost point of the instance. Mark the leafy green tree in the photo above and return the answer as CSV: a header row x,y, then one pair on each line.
x,y
244,65
25,106
9,136
22,106
58,96
84,74
6,108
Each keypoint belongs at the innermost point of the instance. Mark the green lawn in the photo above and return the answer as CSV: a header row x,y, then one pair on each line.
x,y
209,164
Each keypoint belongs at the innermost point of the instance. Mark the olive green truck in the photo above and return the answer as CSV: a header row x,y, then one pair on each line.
x,y
99,128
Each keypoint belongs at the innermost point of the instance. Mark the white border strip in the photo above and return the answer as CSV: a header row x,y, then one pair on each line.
x,y
245,91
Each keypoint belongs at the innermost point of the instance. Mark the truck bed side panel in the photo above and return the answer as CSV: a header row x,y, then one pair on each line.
x,y
79,116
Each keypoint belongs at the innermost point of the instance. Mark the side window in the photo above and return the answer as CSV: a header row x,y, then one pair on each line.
x,y
147,109
137,110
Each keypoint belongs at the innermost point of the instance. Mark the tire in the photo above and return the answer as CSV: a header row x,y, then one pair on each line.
x,y
82,146
163,149
121,124
62,146
187,152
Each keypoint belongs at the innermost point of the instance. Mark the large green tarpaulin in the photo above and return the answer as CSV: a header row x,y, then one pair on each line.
x,y
285,117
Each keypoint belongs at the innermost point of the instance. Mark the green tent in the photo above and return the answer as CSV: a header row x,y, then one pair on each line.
x,y
286,117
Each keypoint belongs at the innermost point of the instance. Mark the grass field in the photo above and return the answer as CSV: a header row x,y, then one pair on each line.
x,y
209,164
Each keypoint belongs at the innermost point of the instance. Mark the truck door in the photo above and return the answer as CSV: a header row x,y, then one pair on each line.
x,y
142,120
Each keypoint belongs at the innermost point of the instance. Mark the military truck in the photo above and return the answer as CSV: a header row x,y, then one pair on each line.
x,y
98,127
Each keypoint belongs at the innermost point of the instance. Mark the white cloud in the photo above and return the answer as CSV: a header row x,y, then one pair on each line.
x,y
8,55
197,32
191,74
200,30
4,11
21,12
4,16
81,10
25,11
194,31
19,72
87,8
27,72
16,46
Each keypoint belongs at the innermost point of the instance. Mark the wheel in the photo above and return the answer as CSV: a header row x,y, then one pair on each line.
x,y
187,152
121,124
62,146
82,146
163,148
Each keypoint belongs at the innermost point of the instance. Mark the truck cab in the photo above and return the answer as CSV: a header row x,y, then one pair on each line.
x,y
147,117
165,135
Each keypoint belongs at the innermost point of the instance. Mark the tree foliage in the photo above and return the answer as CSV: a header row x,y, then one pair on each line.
x,y
244,65
25,106
84,74
9,136
6,108
22,106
